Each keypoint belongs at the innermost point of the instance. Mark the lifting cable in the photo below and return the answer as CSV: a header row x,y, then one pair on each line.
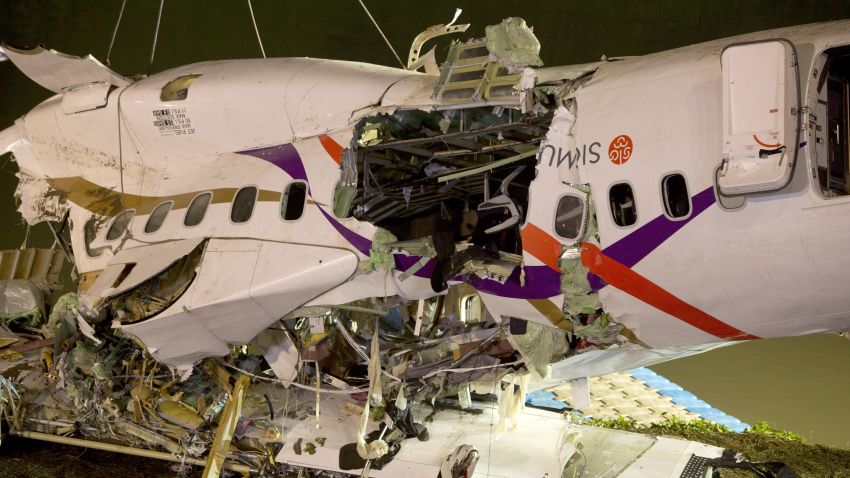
x,y
115,31
256,30
156,34
382,34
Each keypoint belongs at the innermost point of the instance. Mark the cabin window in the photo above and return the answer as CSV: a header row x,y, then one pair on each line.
x,y
243,204
119,225
674,191
569,217
157,217
292,203
197,209
623,207
89,233
177,89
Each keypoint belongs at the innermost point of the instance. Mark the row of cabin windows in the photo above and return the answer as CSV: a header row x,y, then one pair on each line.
x,y
291,208
674,194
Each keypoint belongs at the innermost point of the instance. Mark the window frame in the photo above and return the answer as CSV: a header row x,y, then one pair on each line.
x,y
189,207
611,211
170,202
132,211
664,202
582,224
253,205
87,244
283,203
464,305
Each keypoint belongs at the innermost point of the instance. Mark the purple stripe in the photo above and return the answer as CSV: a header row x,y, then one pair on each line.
x,y
634,247
359,242
541,282
404,263
286,157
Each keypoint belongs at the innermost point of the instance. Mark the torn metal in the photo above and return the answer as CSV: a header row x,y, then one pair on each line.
x,y
409,356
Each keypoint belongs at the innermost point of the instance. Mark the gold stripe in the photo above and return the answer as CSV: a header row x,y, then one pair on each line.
x,y
551,312
108,202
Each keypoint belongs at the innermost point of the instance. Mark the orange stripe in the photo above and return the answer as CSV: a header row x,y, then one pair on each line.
x,y
643,289
541,245
332,147
765,144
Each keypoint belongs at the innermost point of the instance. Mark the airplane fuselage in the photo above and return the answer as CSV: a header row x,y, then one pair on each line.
x,y
671,264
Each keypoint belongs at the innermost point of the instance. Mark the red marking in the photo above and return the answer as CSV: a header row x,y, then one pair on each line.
x,y
541,245
620,149
775,110
641,288
771,146
332,147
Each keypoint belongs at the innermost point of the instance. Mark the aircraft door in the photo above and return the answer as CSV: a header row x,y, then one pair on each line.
x,y
761,126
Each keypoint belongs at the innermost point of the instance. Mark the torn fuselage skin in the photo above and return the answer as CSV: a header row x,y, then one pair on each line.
x,y
358,231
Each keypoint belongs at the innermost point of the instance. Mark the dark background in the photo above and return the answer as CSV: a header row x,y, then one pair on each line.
x,y
801,384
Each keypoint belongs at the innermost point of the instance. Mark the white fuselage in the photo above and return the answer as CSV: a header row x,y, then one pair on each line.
x,y
773,267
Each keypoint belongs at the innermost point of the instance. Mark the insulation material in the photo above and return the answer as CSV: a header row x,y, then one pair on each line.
x,y
512,403
514,44
21,302
38,200
376,395
601,332
539,345
377,448
579,297
62,312
380,254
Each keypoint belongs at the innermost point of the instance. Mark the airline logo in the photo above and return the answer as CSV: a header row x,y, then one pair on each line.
x,y
620,150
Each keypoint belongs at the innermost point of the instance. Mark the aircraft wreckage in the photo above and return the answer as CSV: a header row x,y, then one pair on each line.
x,y
305,267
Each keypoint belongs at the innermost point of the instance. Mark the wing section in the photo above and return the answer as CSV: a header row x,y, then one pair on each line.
x,y
59,72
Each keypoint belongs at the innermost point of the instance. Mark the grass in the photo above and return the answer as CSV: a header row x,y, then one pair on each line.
x,y
22,458
761,443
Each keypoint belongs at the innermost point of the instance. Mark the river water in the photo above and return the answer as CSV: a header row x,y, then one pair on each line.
x,y
800,384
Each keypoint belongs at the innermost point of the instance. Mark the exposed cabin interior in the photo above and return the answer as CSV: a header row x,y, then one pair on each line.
x,y
832,148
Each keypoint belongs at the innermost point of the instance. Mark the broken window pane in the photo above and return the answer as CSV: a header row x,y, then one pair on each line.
x,y
243,204
292,205
178,88
677,201
90,233
197,209
568,217
158,216
119,226
623,207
